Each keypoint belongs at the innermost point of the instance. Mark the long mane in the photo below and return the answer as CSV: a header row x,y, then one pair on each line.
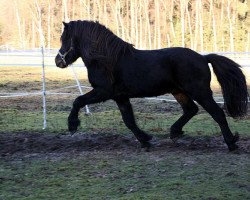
x,y
106,48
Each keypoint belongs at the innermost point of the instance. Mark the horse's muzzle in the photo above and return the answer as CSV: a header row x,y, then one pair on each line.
x,y
59,62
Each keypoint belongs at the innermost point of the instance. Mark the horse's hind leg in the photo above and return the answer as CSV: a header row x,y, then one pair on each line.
x,y
189,110
208,103
129,120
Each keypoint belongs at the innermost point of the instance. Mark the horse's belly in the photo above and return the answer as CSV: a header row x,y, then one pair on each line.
x,y
149,89
147,79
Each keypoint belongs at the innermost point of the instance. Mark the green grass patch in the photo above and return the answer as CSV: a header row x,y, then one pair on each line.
x,y
122,176
12,120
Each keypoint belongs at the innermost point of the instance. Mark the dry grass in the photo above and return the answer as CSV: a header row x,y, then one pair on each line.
x,y
17,78
22,74
27,79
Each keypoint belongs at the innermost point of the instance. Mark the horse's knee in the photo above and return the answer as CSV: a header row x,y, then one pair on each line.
x,y
190,109
194,109
76,103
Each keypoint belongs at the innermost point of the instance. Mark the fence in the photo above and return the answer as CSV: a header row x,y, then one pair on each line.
x,y
34,58
42,59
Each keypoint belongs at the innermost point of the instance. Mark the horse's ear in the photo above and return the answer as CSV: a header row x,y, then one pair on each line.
x,y
65,24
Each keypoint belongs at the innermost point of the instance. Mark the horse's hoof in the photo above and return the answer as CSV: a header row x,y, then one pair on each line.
x,y
236,137
72,125
143,138
233,147
148,137
146,146
175,135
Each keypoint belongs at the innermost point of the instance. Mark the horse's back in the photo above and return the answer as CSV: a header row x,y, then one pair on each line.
x,y
143,73
155,72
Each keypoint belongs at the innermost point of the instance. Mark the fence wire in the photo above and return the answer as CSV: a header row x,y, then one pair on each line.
x,y
33,58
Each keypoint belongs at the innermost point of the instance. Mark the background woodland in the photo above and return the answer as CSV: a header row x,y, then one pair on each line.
x,y
203,25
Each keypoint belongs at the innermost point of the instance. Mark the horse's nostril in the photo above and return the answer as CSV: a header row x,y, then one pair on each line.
x,y
58,61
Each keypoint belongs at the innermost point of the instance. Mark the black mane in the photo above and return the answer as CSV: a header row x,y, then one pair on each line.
x,y
106,48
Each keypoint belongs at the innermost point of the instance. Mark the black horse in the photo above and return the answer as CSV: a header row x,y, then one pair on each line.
x,y
118,71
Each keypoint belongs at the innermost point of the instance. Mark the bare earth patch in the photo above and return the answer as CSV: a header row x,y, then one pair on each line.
x,y
45,144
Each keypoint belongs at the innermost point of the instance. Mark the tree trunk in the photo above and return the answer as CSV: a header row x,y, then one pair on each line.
x,y
33,44
148,23
49,24
171,18
230,27
215,48
39,21
201,25
65,6
196,24
19,26
182,11
190,28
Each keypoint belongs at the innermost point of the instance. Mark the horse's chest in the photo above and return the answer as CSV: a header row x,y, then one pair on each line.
x,y
93,80
97,77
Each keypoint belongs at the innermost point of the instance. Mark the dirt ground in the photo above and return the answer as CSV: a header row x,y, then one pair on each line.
x,y
45,144
42,145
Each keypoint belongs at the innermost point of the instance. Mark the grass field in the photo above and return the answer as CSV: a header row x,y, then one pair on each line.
x,y
118,175
103,160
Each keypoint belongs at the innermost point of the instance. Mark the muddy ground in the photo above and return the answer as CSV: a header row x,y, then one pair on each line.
x,y
44,144
41,145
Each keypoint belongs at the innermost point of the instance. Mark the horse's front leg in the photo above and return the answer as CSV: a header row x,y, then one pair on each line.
x,y
129,120
94,96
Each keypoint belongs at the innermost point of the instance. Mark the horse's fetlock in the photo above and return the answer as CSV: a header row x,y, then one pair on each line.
x,y
73,123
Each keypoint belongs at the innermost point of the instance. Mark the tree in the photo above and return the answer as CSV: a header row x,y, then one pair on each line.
x,y
203,25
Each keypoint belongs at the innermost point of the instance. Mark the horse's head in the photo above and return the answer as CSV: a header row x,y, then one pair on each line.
x,y
68,52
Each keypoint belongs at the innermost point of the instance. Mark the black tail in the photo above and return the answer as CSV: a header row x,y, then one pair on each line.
x,y
233,84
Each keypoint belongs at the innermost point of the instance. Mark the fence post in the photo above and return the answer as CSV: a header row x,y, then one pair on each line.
x,y
44,91
80,89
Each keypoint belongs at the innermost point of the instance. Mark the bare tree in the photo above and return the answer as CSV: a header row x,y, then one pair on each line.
x,y
21,44
231,35
49,25
182,16
201,25
210,25
190,27
65,10
214,26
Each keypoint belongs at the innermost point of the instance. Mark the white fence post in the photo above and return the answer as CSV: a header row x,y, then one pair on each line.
x,y
44,92
80,88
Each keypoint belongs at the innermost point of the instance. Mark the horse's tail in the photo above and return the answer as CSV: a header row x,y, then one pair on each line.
x,y
233,84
